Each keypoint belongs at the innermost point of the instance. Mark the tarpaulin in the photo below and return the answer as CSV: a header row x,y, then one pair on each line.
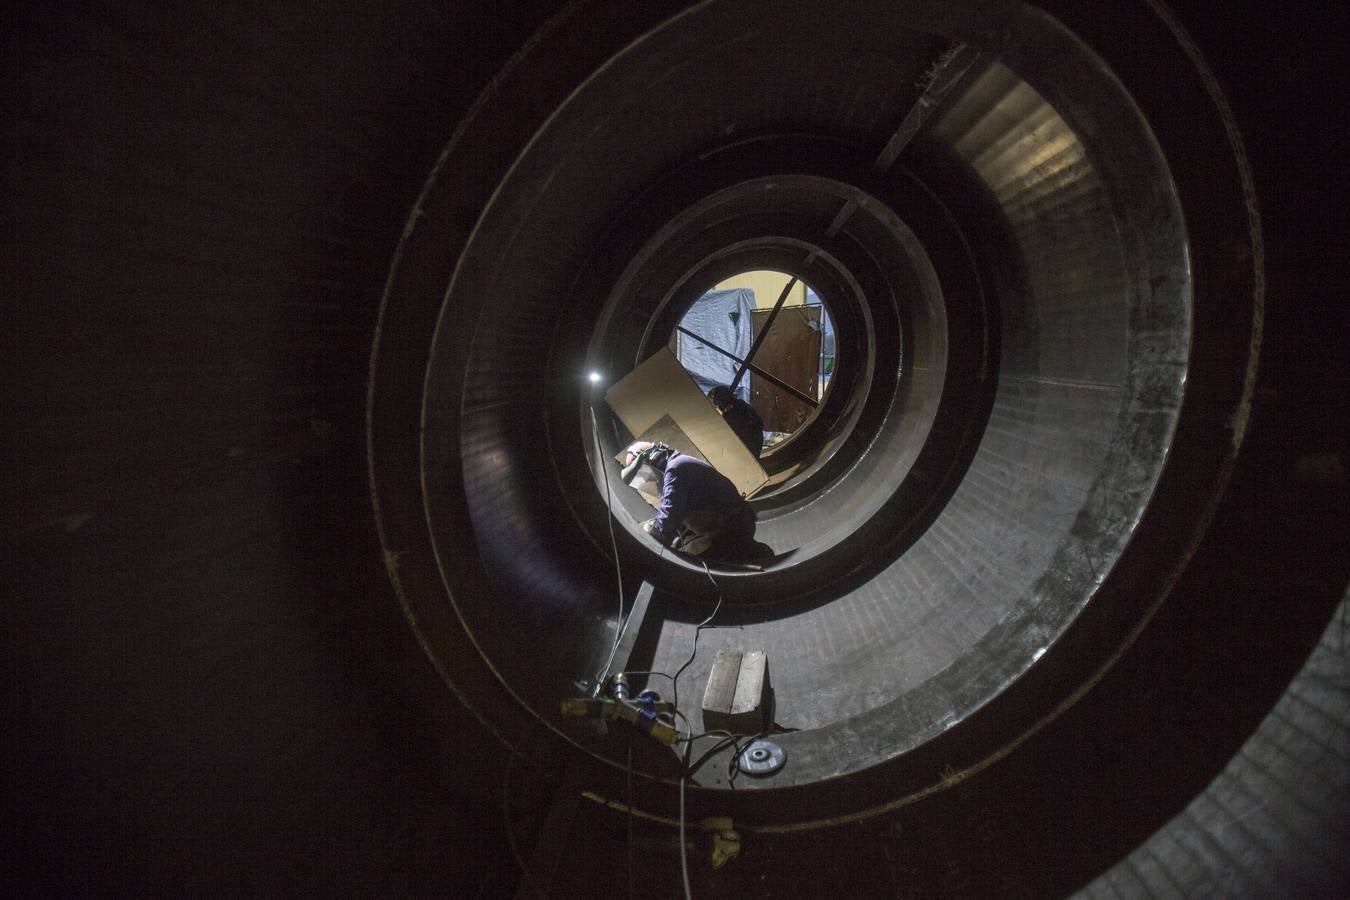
x,y
724,319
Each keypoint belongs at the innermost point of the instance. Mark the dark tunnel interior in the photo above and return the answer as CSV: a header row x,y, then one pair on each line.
x,y
307,529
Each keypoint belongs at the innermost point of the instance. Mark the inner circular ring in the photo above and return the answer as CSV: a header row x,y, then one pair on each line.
x,y
784,430
891,325
1083,392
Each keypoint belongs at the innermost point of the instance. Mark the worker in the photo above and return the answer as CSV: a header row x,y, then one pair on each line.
x,y
701,512
741,416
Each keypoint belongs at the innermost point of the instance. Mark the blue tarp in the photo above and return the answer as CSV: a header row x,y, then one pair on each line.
x,y
722,317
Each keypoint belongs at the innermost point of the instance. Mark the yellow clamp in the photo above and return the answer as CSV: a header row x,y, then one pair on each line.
x,y
608,708
726,842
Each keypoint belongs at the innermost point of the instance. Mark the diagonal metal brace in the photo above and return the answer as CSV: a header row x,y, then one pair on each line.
x,y
942,76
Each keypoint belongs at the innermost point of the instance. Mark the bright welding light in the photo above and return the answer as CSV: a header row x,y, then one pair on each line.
x,y
595,377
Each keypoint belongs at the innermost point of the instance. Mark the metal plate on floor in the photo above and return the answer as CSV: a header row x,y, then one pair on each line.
x,y
760,758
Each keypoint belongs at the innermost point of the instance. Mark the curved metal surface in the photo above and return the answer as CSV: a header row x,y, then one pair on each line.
x,y
912,600
1261,828
208,685
892,321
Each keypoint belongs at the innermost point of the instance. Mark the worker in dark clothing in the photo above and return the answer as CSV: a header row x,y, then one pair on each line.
x,y
741,416
701,512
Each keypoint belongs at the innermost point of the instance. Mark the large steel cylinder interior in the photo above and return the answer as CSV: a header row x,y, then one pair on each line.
x,y
323,326
1014,292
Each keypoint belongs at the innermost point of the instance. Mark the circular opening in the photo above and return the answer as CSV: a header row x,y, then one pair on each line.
x,y
1012,299
838,496
995,398
768,338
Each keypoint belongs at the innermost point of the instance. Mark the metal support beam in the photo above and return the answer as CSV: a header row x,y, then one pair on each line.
x,y
848,210
845,212
768,323
631,627
772,379
942,77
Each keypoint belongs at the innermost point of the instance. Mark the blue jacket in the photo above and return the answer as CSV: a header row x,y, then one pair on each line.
x,y
691,485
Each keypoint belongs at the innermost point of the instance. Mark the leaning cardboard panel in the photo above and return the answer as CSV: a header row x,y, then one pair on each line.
x,y
667,432
661,387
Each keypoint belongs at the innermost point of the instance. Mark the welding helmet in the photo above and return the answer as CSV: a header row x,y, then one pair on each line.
x,y
721,397
655,455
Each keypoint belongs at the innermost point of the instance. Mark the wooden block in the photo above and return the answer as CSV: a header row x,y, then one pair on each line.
x,y
736,698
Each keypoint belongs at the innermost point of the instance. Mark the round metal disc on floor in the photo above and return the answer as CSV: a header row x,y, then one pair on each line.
x,y
760,758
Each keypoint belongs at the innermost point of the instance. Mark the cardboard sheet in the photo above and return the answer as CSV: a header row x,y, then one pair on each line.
x,y
661,387
664,431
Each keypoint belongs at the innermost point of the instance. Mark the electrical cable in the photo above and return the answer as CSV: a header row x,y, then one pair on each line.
x,y
675,680
715,733
510,835
629,804
688,746
627,672
675,702
620,625
684,850
734,741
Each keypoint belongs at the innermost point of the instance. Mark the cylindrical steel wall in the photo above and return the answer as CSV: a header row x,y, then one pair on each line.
x,y
1033,295
209,684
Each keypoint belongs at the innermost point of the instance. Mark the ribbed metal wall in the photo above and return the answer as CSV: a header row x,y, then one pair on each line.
x,y
1263,827
209,687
